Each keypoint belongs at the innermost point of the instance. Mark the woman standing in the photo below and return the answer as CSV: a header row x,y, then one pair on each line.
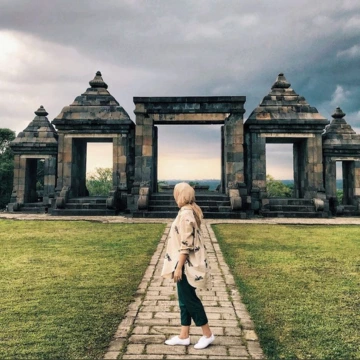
x,y
186,262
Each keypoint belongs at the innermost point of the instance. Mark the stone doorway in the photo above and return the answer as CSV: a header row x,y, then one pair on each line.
x,y
153,111
80,157
34,180
182,154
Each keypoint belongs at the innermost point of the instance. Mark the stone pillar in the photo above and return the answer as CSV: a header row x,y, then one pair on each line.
x,y
330,180
155,160
258,169
49,179
314,167
222,183
356,177
120,161
234,150
16,193
60,164
144,150
296,190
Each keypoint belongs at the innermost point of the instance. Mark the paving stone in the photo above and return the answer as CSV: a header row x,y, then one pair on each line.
x,y
167,315
234,357
135,348
111,355
228,340
116,344
172,308
239,351
165,349
255,350
151,322
139,330
156,297
143,357
185,357
232,331
211,350
250,335
225,323
145,315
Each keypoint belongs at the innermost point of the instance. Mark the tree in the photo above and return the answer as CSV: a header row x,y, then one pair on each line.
x,y
275,188
100,183
6,166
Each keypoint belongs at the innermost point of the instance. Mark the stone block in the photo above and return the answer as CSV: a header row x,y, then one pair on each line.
x,y
138,150
67,156
147,140
139,139
229,168
139,130
147,131
147,150
148,121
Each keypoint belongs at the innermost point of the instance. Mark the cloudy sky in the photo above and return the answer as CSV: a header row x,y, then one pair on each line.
x,y
50,49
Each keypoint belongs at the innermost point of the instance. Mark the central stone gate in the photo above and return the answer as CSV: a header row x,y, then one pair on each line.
x,y
152,111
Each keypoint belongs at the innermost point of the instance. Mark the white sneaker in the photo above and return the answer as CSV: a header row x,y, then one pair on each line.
x,y
177,341
204,342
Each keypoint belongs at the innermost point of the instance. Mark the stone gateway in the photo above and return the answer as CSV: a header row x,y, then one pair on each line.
x,y
59,149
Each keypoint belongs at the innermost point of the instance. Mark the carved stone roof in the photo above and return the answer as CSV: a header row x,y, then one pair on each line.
x,y
284,106
339,134
39,136
95,108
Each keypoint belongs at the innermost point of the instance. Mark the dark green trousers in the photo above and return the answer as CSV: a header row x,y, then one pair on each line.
x,y
191,306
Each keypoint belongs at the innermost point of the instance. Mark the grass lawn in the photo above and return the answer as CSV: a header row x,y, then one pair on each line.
x,y
301,285
65,286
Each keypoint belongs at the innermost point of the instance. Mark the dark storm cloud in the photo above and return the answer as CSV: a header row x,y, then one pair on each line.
x,y
171,47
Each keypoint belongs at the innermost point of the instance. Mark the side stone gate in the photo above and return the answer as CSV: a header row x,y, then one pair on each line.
x,y
285,117
94,116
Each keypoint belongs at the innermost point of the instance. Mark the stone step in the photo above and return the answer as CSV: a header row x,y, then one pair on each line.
x,y
207,215
34,205
83,212
295,214
290,201
292,208
176,209
347,210
201,203
88,199
199,197
32,210
85,206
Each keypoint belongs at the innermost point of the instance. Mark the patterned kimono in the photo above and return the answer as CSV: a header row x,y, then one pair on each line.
x,y
185,238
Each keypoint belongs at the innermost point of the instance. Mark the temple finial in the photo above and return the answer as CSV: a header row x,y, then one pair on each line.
x,y
281,82
98,81
338,114
41,111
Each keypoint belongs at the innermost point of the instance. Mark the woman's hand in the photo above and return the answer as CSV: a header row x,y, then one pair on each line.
x,y
179,267
177,274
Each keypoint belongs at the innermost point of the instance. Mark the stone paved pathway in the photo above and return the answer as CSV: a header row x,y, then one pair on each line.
x,y
154,316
